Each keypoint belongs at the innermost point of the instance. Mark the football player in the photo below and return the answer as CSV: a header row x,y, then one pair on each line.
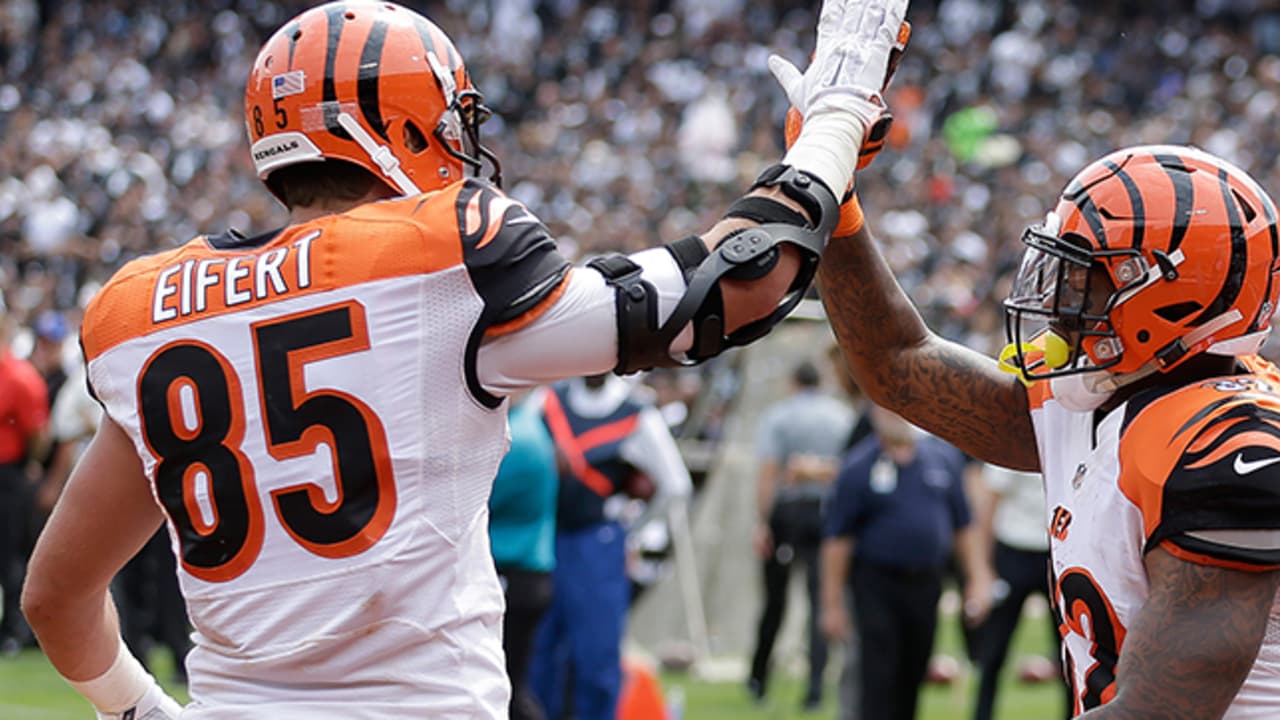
x,y
1134,323
316,413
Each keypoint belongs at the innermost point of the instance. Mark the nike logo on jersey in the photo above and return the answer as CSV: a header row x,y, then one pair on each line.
x,y
1244,467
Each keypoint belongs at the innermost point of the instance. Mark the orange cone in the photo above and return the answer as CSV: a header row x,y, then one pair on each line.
x,y
641,697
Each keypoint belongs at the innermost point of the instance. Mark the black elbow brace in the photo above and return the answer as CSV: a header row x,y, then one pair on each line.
x,y
745,255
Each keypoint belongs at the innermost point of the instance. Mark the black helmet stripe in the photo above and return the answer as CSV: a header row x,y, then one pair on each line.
x,y
1236,266
1180,175
451,59
294,31
336,15
424,35
431,42
1138,213
1269,212
367,80
1089,212
455,61
1079,194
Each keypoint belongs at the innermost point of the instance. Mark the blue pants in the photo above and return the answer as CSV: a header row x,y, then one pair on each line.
x,y
580,639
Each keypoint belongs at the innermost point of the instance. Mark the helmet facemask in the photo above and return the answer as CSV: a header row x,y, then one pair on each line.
x,y
460,126
1059,306
458,131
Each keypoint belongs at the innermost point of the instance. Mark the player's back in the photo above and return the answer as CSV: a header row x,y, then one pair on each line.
x,y
309,414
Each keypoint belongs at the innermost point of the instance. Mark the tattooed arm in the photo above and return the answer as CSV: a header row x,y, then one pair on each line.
x,y
1193,642
952,391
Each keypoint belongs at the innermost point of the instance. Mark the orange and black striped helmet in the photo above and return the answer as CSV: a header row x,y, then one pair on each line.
x,y
1153,254
371,83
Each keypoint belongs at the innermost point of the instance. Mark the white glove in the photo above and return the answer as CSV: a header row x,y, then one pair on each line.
x,y
155,704
839,95
851,61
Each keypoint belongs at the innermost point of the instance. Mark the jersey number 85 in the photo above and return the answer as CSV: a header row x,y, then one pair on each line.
x,y
206,482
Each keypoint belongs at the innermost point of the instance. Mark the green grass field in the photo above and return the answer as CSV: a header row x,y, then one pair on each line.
x,y
30,690
1017,701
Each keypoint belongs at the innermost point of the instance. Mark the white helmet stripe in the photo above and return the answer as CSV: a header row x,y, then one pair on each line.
x,y
447,83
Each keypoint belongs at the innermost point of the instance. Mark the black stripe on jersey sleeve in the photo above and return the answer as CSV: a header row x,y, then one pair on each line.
x,y
512,268
1217,495
519,265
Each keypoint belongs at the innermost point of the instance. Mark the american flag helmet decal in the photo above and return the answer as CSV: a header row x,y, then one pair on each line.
x,y
290,83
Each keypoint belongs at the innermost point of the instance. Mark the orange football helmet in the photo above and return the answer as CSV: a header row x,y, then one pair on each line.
x,y
1153,254
371,83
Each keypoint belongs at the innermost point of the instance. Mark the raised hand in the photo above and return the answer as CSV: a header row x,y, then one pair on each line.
x,y
838,97
857,48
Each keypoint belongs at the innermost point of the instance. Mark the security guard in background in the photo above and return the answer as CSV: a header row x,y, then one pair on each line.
x,y
800,441
898,512
613,446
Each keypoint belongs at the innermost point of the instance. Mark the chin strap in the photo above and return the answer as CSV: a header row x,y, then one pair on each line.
x,y
381,155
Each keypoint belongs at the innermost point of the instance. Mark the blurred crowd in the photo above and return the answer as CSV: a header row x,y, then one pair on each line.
x,y
622,123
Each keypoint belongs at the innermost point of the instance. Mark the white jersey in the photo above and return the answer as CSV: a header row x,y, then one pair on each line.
x,y
1139,481
310,412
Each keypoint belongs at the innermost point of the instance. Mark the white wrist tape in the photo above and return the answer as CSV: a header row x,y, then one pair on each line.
x,y
120,687
828,148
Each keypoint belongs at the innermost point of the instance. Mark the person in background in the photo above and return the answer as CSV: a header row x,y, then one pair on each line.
x,y
1010,519
897,514
50,331
613,446
799,442
24,413
72,422
152,611
522,527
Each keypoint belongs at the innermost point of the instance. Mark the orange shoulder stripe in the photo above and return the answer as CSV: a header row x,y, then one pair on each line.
x,y
1165,431
1248,438
376,241
1199,559
1148,452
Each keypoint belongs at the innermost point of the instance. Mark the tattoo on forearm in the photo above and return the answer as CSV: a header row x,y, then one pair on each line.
x,y
952,391
1193,643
